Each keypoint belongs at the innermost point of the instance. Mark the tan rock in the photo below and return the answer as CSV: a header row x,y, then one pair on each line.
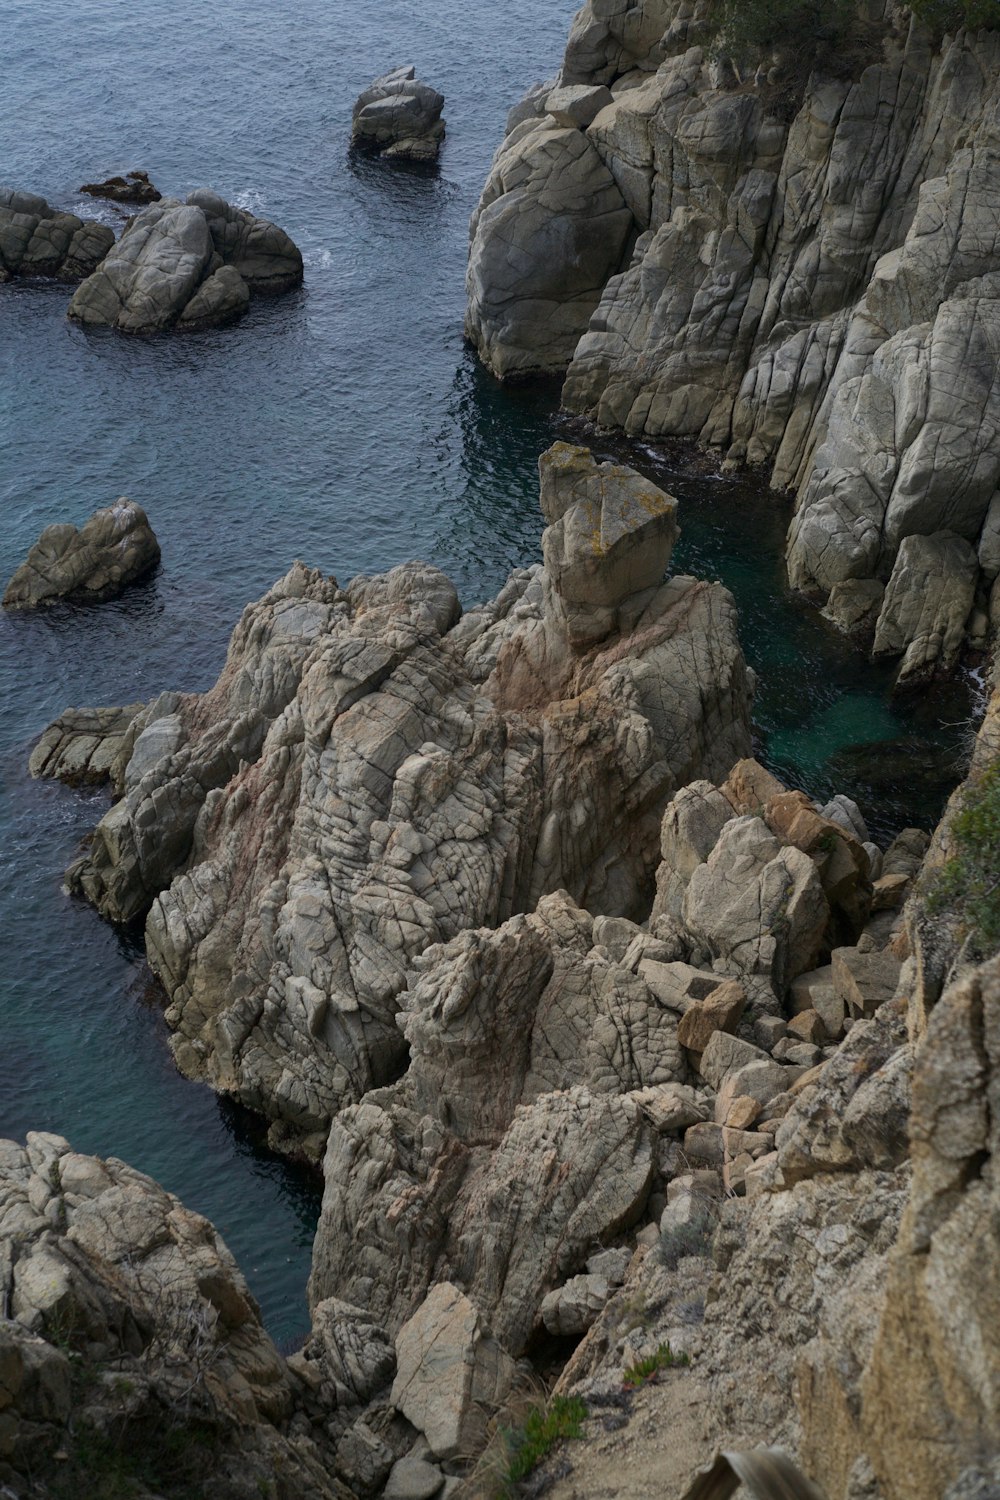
x,y
451,1374
719,1011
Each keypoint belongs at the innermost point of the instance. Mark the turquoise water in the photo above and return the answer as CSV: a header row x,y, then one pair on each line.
x,y
345,424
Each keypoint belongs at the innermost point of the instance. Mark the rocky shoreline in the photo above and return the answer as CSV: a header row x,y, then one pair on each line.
x,y
630,1069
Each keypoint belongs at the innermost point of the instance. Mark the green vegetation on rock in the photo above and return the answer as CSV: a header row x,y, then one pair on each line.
x,y
966,890
648,1368
562,1417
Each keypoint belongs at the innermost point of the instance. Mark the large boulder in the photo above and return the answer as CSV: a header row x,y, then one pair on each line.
x,y
186,266
111,550
927,603
36,240
399,117
550,228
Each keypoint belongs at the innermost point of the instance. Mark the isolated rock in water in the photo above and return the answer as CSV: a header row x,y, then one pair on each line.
x,y
398,116
134,187
927,602
186,265
36,240
368,779
125,1314
110,551
550,228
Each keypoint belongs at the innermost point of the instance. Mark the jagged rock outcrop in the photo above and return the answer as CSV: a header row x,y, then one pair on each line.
x,y
368,778
131,1350
36,240
818,293
551,227
134,187
399,117
111,550
185,266
82,745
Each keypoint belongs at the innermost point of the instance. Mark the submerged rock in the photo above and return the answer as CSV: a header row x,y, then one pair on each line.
x,y
398,116
134,187
186,266
369,777
36,240
110,551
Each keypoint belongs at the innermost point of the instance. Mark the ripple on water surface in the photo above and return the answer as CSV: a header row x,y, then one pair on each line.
x,y
345,424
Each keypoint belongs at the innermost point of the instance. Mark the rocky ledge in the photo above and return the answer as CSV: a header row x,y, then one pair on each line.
x,y
399,117
134,187
818,293
111,550
186,266
36,240
372,775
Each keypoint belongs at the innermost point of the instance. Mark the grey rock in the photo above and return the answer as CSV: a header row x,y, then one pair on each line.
x,y
452,1376
550,228
575,1306
36,240
82,744
398,116
110,551
927,602
577,104
185,266
413,1479
863,981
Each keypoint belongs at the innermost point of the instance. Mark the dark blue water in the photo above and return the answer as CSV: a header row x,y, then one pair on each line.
x,y
345,425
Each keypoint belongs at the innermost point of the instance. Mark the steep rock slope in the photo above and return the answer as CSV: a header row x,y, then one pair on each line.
x,y
371,775
819,293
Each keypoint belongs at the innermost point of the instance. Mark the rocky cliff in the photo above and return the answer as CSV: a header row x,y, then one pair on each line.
x,y
372,775
813,288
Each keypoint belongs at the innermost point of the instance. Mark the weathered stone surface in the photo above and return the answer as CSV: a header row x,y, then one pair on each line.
x,y
551,227
413,1479
575,1306
689,832
186,265
355,1353
125,1310
398,116
451,1376
572,1169
863,981
364,782
757,907
927,602
82,744
36,240
610,537
719,1011
110,551
577,104
817,292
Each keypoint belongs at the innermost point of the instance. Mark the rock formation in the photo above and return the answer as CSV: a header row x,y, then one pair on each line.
x,y
36,240
399,117
110,551
372,775
131,1351
185,266
816,293
134,187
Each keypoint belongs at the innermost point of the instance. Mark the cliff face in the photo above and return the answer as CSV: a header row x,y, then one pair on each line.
x,y
820,293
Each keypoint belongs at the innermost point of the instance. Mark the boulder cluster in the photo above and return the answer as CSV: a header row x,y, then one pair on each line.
x,y
177,266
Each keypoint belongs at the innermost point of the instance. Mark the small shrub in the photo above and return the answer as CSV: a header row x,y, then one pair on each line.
x,y
966,890
648,1368
686,1239
544,1426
